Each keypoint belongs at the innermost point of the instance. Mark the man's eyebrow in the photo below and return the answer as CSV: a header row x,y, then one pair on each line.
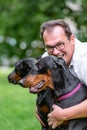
x,y
59,42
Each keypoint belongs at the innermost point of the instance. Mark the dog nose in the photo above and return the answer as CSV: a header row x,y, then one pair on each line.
x,y
11,79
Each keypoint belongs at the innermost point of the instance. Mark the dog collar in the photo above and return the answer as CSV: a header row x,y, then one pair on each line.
x,y
70,93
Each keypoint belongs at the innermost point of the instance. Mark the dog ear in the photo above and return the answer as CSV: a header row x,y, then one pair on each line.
x,y
31,62
60,61
26,64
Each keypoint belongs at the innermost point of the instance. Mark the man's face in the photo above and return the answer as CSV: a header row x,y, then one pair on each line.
x,y
57,43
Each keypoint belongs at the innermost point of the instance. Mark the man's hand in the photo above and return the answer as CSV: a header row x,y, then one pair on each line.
x,y
56,117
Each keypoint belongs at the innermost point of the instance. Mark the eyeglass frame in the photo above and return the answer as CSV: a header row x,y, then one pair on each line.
x,y
59,46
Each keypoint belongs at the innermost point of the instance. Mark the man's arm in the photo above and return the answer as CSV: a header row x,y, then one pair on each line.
x,y
58,115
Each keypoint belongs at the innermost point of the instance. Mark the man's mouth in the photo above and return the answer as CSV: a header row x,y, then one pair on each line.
x,y
34,89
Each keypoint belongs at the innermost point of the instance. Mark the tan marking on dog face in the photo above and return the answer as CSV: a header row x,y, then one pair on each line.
x,y
34,80
13,77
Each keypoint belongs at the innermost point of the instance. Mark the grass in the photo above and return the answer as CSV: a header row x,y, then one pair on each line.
x,y
17,106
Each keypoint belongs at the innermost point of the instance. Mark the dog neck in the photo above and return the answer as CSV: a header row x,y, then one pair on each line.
x,y
45,96
65,96
68,84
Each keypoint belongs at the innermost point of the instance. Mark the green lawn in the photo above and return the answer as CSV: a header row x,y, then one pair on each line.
x,y
17,106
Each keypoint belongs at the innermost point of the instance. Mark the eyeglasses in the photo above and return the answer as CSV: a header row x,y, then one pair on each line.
x,y
59,46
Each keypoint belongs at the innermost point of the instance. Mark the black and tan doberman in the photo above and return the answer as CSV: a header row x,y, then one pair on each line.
x,y
53,83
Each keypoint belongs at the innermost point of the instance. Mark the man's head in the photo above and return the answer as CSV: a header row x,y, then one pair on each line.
x,y
58,39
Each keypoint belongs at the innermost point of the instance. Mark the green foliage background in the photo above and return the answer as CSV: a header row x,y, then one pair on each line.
x,y
20,22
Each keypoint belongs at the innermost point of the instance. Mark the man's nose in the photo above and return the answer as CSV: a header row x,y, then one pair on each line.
x,y
56,52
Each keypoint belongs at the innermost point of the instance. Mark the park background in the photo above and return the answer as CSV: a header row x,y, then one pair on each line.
x,y
20,22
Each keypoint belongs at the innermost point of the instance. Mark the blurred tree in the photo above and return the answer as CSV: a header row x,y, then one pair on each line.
x,y
20,22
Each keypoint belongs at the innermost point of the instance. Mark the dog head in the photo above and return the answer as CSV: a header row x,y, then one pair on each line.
x,y
22,68
48,73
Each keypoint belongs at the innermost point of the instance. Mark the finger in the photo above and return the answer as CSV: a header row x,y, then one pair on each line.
x,y
54,126
50,120
49,115
50,123
54,106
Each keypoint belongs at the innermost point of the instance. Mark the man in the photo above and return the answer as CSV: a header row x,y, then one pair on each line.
x,y
59,41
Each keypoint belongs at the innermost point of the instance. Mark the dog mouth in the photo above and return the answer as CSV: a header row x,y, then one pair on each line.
x,y
34,89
